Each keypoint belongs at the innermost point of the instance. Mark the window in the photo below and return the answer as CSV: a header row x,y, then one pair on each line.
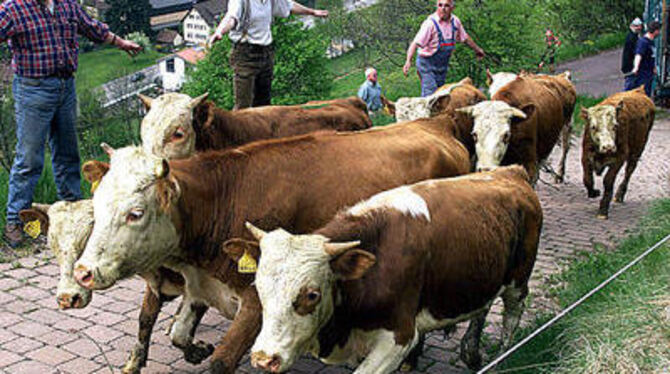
x,y
169,65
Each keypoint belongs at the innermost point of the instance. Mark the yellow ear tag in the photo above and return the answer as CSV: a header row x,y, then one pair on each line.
x,y
247,264
94,185
33,228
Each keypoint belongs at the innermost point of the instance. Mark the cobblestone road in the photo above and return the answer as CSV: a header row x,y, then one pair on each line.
x,y
36,338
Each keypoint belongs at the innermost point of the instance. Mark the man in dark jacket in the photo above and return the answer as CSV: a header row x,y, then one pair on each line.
x,y
644,63
629,53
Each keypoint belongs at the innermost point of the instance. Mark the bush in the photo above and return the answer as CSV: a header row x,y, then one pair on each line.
x,y
299,73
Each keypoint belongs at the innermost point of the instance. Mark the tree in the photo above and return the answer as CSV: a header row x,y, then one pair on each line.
x,y
299,74
126,16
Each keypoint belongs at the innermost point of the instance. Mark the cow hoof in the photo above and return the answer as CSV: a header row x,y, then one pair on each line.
x,y
618,199
405,367
594,193
558,179
602,217
219,367
198,352
136,361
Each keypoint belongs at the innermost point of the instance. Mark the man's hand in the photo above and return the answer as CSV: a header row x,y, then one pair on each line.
x,y
130,47
405,69
320,13
214,38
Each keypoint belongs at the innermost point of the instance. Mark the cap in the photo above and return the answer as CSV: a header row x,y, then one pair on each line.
x,y
636,22
369,71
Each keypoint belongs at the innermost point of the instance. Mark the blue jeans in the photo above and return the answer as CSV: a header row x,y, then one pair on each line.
x,y
646,79
432,75
46,109
629,83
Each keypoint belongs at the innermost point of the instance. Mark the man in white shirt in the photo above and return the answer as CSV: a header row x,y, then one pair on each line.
x,y
247,24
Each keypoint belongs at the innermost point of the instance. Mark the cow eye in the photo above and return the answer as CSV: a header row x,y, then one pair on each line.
x,y
474,136
313,296
307,301
134,215
179,134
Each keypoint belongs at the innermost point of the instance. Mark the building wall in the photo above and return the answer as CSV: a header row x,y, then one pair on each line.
x,y
196,30
172,81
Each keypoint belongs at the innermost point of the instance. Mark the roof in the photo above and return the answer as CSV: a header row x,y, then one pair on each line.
x,y
210,10
157,4
192,55
169,18
166,36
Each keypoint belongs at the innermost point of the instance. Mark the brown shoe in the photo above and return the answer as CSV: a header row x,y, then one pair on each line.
x,y
13,235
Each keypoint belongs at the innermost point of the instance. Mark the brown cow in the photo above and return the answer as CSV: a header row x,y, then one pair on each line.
x,y
176,125
149,212
523,122
401,263
616,132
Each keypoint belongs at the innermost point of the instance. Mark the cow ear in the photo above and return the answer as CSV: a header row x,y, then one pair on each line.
x,y
584,114
94,170
146,101
440,104
203,115
619,108
167,191
466,80
236,247
36,214
352,264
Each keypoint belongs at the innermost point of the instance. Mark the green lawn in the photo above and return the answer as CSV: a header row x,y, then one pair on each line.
x,y
102,65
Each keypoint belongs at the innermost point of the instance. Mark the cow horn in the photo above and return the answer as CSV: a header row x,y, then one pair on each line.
x,y
518,113
466,110
107,148
255,231
195,102
336,249
146,100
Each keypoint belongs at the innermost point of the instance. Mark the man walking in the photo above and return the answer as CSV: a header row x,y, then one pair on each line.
x,y
437,39
42,36
370,91
629,53
644,63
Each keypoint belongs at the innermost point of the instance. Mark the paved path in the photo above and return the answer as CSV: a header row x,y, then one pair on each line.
x,y
597,75
35,337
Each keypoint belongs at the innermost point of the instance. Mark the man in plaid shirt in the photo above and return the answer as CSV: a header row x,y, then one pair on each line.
x,y
42,35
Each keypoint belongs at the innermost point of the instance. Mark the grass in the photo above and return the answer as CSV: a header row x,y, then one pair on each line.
x,y
102,65
576,50
625,328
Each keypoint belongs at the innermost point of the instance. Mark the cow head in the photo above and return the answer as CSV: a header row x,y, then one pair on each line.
x,y
67,226
296,285
167,129
494,123
601,126
498,80
133,231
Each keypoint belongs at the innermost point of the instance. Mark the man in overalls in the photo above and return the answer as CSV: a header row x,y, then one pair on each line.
x,y
437,39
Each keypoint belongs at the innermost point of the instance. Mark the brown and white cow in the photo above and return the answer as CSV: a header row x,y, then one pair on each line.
x,y
401,263
498,80
177,125
616,132
523,122
150,213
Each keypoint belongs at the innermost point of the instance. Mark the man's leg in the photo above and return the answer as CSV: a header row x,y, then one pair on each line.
x,y
35,105
63,143
243,79
428,83
264,61
629,82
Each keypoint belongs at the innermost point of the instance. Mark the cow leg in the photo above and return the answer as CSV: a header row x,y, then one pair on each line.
x,y
608,183
183,329
623,187
151,306
470,342
241,335
412,360
385,355
565,147
587,178
513,298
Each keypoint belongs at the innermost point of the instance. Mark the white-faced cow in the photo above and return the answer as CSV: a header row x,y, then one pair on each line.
x,y
498,80
616,132
401,263
177,125
523,122
150,213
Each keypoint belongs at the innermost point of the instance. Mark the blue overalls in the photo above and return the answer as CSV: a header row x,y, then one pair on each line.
x,y
433,69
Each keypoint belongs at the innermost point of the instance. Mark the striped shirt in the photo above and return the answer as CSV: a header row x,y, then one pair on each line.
x,y
45,43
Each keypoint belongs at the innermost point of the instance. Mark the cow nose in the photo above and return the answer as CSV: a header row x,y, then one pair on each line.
x,y
482,169
83,276
261,360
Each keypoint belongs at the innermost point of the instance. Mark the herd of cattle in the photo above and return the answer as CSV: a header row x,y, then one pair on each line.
x,y
346,242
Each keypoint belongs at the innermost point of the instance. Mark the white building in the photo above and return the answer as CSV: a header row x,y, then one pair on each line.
x,y
173,68
201,21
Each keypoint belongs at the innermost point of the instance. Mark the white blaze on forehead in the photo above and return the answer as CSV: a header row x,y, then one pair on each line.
x,y
492,123
289,263
500,80
602,124
402,199
168,112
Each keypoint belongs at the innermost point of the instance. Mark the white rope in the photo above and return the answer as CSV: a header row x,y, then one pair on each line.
x,y
518,345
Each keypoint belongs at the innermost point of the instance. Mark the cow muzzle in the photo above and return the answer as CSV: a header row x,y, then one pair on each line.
x,y
608,149
481,169
84,277
70,301
261,360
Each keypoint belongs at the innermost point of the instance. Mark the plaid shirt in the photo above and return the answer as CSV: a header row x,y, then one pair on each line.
x,y
43,43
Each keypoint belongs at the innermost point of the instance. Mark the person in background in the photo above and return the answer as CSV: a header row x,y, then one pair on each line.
x,y
42,36
437,39
549,56
644,63
628,54
247,23
370,91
